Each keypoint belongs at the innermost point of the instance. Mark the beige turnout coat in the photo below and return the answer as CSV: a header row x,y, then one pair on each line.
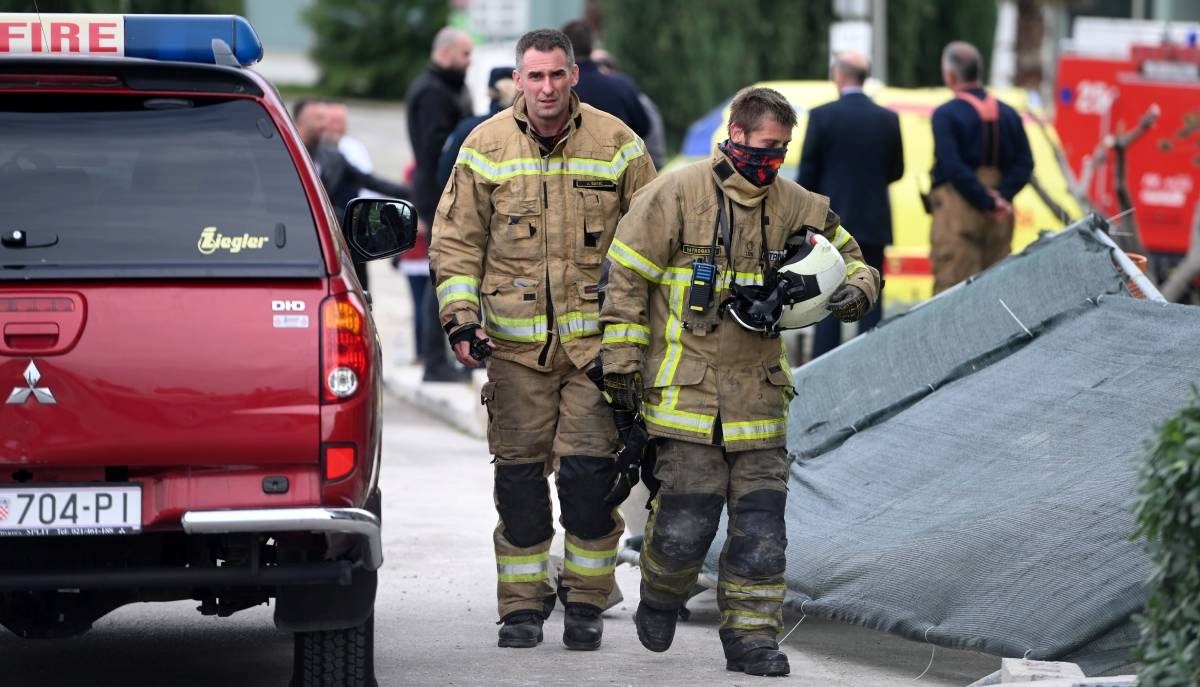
x,y
519,236
707,379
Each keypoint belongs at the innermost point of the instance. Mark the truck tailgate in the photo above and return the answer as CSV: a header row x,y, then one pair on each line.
x,y
145,374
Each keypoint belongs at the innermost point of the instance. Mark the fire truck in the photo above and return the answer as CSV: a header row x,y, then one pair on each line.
x,y
1097,97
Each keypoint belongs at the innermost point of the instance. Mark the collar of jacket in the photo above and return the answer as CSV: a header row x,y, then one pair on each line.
x,y
454,80
737,187
573,122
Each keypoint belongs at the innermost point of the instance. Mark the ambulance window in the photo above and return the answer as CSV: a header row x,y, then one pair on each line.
x,y
124,186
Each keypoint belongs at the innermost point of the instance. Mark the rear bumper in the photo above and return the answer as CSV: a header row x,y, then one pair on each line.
x,y
325,572
352,522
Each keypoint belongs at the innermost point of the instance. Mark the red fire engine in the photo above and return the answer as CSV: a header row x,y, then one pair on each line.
x,y
1102,96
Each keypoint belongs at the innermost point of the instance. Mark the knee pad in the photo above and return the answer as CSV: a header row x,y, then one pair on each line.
x,y
523,501
583,482
758,544
685,524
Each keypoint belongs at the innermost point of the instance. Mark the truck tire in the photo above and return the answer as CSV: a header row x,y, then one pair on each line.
x,y
335,658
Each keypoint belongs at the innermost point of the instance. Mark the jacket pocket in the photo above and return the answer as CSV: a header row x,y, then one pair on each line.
x,y
512,308
516,229
599,210
685,371
781,377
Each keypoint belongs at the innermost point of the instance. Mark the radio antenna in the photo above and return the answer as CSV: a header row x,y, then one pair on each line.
x,y
41,27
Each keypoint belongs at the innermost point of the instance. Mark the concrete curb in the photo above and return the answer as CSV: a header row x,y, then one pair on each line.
x,y
454,403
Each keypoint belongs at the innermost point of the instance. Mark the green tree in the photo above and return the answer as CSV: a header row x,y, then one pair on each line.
x,y
919,29
368,48
1168,516
689,58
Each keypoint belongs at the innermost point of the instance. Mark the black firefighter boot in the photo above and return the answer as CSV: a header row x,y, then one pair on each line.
x,y
655,626
521,630
582,627
754,656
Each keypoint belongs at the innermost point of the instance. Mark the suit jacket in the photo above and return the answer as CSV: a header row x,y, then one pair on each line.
x,y
852,151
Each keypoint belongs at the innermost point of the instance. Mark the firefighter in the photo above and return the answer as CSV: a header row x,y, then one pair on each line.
x,y
981,159
716,392
518,237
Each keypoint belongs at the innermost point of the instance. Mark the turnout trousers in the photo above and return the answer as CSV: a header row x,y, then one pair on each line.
x,y
541,422
964,241
698,480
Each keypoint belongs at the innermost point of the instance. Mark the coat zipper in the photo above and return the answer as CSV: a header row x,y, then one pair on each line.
x,y
550,324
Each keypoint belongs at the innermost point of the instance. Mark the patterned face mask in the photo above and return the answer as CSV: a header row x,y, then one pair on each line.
x,y
758,165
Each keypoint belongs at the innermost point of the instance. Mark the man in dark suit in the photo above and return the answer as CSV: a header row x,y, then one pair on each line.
x,y
852,151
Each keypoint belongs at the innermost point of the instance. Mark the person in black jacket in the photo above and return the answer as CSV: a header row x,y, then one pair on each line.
x,y
852,151
342,180
615,94
435,103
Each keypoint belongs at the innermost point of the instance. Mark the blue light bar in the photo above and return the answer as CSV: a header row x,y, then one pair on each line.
x,y
188,38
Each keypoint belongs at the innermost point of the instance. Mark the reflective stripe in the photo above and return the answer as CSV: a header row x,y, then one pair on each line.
x,y
749,620
743,278
589,563
458,289
613,169
499,170
754,429
676,276
523,329
674,350
678,419
635,261
627,333
853,266
530,568
841,238
576,325
766,592
672,582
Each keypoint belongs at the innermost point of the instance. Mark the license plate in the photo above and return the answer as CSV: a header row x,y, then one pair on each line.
x,y
35,510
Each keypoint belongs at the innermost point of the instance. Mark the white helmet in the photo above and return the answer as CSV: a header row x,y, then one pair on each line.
x,y
794,294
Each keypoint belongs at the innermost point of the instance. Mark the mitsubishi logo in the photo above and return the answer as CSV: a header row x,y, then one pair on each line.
x,y
41,394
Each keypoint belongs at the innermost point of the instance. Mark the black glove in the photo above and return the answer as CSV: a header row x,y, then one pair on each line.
x,y
479,347
624,390
848,303
629,459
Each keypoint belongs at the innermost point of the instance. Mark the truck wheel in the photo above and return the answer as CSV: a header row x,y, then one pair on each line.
x,y
335,658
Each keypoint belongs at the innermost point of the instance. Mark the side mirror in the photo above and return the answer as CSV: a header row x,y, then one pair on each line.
x,y
380,228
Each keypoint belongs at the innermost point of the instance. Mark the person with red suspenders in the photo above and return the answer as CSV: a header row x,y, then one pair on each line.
x,y
981,160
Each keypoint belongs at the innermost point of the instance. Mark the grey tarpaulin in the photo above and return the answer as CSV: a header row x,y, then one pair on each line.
x,y
963,474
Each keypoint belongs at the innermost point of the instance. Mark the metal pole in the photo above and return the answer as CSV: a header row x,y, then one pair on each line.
x,y
879,61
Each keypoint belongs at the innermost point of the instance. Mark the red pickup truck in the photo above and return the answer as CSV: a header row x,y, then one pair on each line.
x,y
189,374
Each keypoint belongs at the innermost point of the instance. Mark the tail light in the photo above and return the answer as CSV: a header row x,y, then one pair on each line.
x,y
339,462
343,348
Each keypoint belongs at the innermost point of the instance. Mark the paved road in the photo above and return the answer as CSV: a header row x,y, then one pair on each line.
x,y
436,613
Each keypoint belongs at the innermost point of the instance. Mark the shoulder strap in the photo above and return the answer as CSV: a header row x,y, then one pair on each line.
x,y
988,110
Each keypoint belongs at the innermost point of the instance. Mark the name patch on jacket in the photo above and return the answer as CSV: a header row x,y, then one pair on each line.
x,y
699,249
595,184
